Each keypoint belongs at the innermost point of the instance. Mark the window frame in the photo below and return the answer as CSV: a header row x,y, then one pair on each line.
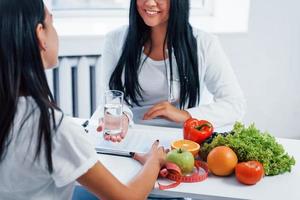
x,y
82,33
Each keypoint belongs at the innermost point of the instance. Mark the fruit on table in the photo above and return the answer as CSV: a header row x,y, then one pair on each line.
x,y
197,130
221,161
249,173
188,145
182,158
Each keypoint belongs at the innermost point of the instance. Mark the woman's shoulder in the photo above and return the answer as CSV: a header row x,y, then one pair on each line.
x,y
203,37
67,124
117,34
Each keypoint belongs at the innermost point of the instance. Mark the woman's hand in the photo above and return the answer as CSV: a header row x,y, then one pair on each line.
x,y
168,111
119,137
102,183
157,154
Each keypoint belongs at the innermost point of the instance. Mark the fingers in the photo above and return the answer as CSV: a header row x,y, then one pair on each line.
x,y
100,126
155,145
124,128
135,156
156,113
156,152
141,158
153,109
170,113
123,134
119,137
125,118
114,138
167,150
106,136
132,154
161,149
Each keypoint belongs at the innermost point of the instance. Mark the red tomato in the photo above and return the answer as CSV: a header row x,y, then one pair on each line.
x,y
249,172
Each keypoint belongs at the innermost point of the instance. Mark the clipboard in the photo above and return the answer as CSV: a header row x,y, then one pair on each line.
x,y
139,139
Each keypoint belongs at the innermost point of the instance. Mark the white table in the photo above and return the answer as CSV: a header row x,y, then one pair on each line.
x,y
284,186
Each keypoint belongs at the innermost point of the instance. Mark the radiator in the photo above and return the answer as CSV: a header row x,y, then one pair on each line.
x,y
74,86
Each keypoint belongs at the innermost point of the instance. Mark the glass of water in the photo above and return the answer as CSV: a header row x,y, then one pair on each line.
x,y
113,111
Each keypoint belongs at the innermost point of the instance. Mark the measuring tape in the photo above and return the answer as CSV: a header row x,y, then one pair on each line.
x,y
173,172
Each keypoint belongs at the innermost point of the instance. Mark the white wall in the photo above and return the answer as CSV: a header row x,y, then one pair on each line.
x,y
267,63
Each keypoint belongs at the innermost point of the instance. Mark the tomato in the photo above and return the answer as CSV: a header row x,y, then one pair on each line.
x,y
221,161
197,130
250,172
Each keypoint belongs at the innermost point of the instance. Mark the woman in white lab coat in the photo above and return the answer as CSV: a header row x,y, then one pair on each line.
x,y
43,152
165,67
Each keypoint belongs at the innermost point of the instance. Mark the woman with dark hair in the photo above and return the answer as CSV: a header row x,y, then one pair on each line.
x,y
164,66
43,152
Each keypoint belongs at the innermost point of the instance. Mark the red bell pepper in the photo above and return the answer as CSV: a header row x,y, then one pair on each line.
x,y
197,130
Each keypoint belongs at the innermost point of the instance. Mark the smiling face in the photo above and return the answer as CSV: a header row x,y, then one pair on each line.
x,y
154,12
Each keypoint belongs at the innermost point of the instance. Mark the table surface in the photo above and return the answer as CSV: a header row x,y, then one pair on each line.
x,y
270,187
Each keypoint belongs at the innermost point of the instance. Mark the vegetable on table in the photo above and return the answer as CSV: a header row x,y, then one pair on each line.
x,y
249,143
197,130
249,173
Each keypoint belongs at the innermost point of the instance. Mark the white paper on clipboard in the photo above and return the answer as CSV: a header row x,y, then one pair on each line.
x,y
139,139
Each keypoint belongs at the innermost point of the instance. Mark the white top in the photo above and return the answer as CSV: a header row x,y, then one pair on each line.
x,y
23,178
153,80
215,74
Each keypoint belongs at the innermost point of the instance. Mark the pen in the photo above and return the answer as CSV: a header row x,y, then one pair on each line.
x,y
114,152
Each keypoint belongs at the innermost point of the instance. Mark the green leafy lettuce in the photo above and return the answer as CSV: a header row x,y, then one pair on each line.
x,y
250,144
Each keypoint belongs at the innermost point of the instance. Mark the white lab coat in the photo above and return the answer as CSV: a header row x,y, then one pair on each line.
x,y
216,75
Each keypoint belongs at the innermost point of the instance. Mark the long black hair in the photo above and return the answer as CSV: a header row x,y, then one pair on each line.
x,y
180,42
22,72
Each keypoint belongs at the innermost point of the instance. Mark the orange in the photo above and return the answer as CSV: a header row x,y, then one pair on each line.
x,y
188,145
221,161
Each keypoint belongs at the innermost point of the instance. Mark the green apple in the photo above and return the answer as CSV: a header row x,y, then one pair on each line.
x,y
183,159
